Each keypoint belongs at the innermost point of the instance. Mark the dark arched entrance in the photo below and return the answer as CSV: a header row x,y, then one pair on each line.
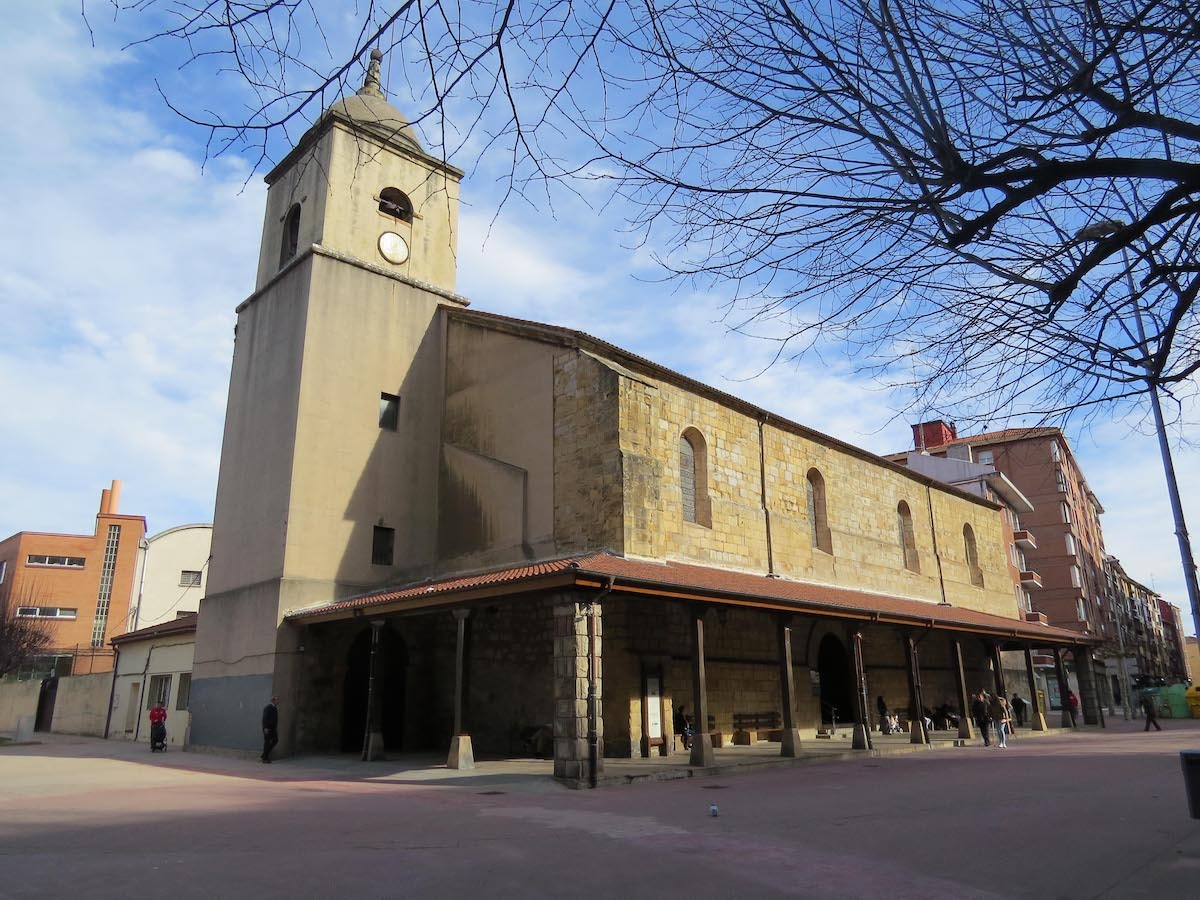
x,y
391,666
837,689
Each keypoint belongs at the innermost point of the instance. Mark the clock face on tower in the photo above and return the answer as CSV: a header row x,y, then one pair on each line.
x,y
393,248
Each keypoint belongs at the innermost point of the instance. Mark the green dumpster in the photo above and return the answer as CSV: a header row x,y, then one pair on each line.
x,y
1175,701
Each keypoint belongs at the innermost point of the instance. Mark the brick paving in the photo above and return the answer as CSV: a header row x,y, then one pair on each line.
x,y
1092,814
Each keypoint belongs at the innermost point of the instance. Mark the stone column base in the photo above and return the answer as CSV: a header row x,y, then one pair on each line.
x,y
916,734
461,755
374,746
702,751
1037,722
966,730
790,742
860,740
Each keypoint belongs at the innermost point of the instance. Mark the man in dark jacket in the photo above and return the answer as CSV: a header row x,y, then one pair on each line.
x,y
979,712
1147,703
270,727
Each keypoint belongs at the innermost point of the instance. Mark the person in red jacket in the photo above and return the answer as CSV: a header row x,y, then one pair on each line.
x,y
158,727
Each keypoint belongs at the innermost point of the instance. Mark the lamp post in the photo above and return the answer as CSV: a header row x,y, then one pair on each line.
x,y
1097,231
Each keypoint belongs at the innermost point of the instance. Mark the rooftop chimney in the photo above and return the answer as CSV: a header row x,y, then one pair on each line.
x,y
933,434
109,498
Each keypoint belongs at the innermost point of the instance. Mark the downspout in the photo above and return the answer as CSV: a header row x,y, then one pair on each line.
x,y
593,735
112,692
762,480
936,555
144,546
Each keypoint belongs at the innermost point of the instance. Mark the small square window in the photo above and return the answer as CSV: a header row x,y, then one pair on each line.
x,y
985,458
383,546
189,578
389,411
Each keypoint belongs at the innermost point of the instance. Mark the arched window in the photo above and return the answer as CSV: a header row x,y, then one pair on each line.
x,y
394,202
972,556
291,235
693,478
818,518
908,538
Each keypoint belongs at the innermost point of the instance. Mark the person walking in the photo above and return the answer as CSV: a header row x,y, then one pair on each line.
x,y
998,710
1147,704
158,727
979,712
270,727
1018,708
682,727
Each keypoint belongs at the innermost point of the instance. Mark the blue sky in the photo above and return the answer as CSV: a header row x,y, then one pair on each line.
x,y
123,255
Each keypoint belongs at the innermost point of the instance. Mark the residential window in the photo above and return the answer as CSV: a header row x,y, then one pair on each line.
x,y
383,546
3,569
159,692
394,202
389,412
1080,610
693,478
1060,480
184,696
1076,577
818,517
1066,512
1055,452
972,556
189,578
69,562
290,242
985,458
47,612
908,538
1070,538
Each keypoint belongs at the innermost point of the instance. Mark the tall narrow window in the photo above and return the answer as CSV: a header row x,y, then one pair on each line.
x,y
108,569
818,517
290,242
693,478
908,538
1066,512
383,546
394,202
389,411
1076,577
972,554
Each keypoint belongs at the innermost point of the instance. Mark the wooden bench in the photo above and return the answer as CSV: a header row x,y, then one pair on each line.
x,y
749,728
717,739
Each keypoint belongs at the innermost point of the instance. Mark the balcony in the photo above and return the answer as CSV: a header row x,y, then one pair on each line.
x,y
1031,580
1024,540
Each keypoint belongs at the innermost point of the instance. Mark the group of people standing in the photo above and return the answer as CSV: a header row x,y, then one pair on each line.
x,y
992,710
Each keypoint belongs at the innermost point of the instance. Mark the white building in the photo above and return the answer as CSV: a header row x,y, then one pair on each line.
x,y
171,575
153,665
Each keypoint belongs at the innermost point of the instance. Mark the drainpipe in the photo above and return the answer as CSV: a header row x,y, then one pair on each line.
x,y
936,556
593,736
137,728
112,693
762,480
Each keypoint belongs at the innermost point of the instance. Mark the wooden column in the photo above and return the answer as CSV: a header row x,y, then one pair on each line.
x,y
1089,697
702,749
787,689
965,730
998,672
461,754
1037,715
1068,719
373,732
862,724
916,725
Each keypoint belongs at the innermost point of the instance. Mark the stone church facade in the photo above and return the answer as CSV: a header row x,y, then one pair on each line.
x,y
536,541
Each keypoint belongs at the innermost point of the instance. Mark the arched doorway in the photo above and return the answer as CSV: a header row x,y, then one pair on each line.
x,y
837,687
391,666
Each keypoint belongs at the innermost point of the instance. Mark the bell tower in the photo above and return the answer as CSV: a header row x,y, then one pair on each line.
x,y
329,464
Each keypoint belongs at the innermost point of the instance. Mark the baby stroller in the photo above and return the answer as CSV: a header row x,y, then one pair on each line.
x,y
158,737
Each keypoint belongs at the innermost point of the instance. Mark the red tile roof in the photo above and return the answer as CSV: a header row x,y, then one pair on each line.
x,y
184,623
676,580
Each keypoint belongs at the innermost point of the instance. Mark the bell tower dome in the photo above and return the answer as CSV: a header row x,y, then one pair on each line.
x,y
360,184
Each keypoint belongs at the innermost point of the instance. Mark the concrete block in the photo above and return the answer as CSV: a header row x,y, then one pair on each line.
x,y
24,729
461,755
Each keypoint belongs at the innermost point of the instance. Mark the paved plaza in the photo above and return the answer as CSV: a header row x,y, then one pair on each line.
x,y
1091,814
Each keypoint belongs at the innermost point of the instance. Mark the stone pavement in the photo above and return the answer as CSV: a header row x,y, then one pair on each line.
x,y
1092,814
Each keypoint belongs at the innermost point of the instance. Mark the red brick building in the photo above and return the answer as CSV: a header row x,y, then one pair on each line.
x,y
78,585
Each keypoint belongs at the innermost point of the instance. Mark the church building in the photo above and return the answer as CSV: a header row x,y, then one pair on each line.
x,y
440,528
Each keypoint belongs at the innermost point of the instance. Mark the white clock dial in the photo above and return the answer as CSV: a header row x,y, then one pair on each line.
x,y
393,248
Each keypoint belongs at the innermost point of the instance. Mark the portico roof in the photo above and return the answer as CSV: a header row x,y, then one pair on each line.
x,y
688,582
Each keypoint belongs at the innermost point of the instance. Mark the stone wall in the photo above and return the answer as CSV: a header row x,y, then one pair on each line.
x,y
81,704
862,495
18,699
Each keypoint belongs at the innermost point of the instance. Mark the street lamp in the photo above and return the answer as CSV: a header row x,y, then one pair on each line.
x,y
1094,232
